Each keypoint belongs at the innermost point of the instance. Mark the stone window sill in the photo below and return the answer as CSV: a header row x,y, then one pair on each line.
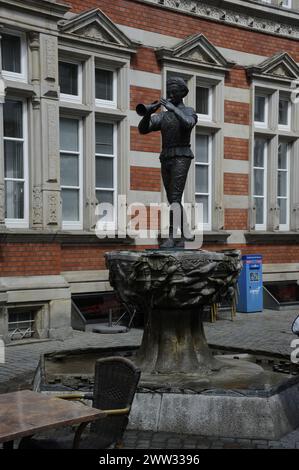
x,y
262,238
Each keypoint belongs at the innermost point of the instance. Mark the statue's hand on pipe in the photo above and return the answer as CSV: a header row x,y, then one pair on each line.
x,y
168,105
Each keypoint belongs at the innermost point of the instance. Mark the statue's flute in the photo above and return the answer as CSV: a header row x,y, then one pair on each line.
x,y
143,109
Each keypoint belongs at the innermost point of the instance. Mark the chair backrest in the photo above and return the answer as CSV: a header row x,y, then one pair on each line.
x,y
116,380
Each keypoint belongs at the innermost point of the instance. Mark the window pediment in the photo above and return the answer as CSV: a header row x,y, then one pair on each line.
x,y
195,50
95,26
278,67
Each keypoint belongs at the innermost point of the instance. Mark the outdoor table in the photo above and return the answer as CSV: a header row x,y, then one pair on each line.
x,y
25,413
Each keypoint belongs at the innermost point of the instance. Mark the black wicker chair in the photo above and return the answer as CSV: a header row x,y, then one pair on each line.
x,y
116,380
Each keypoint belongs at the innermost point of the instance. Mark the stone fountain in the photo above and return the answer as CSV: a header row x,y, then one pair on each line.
x,y
183,386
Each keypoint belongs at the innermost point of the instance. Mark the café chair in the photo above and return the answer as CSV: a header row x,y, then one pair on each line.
x,y
116,380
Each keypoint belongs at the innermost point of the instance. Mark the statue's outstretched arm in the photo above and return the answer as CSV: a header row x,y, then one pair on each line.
x,y
150,123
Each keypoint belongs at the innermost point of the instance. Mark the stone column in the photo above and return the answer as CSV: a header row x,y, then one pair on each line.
x,y
50,132
36,163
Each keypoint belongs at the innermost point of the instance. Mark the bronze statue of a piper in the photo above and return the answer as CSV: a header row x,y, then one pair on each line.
x,y
175,125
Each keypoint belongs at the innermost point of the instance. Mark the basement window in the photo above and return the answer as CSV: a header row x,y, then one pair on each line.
x,y
21,324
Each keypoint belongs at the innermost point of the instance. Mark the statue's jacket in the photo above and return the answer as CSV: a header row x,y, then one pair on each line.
x,y
175,129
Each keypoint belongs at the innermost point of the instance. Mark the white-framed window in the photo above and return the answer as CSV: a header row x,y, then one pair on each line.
x,y
260,182
284,112
204,104
14,55
203,176
261,110
286,3
71,173
106,168
70,81
15,137
105,87
283,184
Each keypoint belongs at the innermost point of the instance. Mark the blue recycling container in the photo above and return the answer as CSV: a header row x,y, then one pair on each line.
x,y
250,284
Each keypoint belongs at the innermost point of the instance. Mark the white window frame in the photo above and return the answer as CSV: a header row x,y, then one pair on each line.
x,y
21,223
288,125
209,116
264,124
265,169
106,103
287,5
113,224
73,98
208,225
76,224
23,76
286,227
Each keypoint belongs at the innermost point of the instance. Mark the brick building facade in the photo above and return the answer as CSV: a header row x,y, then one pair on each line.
x,y
71,77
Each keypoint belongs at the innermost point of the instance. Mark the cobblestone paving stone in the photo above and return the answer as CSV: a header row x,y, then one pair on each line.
x,y
269,331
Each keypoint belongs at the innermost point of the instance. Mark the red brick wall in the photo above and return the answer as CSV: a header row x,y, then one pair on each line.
x,y
30,259
271,253
145,179
236,113
151,18
145,143
235,184
237,78
145,60
236,149
143,95
236,219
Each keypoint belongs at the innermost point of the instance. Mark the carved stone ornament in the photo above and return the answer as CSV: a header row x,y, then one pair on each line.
x,y
196,49
95,25
37,206
245,20
2,203
278,66
53,204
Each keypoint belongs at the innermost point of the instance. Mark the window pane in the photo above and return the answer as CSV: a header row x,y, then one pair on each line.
x,y
282,203
204,200
202,179
68,78
12,115
259,182
13,159
14,200
202,100
259,108
282,183
106,196
283,112
104,172
104,138
70,204
69,135
104,85
259,204
11,53
69,170
259,152
282,155
202,148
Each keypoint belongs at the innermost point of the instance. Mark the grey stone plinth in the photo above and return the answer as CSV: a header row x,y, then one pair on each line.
x,y
222,413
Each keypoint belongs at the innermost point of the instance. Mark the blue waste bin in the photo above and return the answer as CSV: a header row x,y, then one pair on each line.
x,y
250,285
